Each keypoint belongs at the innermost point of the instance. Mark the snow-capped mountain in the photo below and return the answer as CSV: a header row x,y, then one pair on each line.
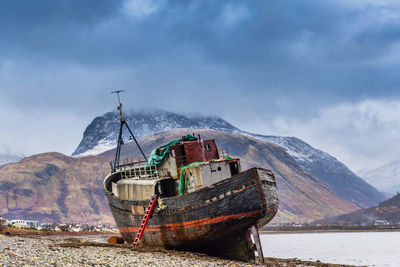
x,y
7,158
101,135
386,178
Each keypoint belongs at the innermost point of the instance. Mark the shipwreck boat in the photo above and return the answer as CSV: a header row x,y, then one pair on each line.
x,y
190,196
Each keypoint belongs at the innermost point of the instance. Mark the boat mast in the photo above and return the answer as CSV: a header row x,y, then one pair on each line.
x,y
120,142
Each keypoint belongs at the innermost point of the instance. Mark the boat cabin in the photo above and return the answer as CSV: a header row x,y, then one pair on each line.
x,y
179,167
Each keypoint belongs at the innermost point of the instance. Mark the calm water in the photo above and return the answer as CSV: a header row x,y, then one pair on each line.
x,y
361,248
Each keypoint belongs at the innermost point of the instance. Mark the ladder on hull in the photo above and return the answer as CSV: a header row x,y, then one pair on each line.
x,y
145,220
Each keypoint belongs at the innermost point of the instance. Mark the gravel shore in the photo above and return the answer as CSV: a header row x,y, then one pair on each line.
x,y
93,251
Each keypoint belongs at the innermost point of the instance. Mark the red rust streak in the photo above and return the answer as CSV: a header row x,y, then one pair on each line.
x,y
181,225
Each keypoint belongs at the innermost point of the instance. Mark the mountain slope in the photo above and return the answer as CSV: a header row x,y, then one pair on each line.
x,y
101,135
55,187
388,210
385,178
52,187
329,170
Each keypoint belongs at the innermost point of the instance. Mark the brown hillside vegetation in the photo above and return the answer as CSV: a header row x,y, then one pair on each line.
x,y
52,187
55,187
388,210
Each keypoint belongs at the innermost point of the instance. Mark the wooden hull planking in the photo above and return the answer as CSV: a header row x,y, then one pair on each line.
x,y
213,220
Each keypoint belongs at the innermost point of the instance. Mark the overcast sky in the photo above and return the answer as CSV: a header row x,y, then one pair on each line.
x,y
324,71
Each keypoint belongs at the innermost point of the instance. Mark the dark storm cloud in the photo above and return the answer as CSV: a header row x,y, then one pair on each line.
x,y
55,11
306,68
313,51
49,27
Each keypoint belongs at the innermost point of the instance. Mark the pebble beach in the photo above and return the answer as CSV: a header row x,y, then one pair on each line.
x,y
46,251
94,251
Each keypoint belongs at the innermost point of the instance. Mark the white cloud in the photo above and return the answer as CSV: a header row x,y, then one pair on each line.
x,y
141,8
38,131
363,135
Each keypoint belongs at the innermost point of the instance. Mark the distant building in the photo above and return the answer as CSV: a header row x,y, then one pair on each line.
x,y
24,224
381,222
20,225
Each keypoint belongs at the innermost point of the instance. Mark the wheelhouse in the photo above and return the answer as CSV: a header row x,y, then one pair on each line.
x,y
179,167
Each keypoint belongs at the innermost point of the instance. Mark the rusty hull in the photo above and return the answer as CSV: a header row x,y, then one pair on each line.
x,y
212,220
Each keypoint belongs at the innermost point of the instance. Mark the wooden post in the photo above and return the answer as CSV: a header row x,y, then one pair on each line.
x,y
256,236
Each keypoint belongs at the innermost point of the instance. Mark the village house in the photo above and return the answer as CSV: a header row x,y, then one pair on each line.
x,y
24,224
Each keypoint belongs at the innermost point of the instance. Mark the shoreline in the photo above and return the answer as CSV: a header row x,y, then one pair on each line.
x,y
310,231
8,231
92,249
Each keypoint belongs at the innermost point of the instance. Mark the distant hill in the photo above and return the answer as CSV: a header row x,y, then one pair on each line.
x,y
55,187
385,178
52,187
101,135
388,210
7,158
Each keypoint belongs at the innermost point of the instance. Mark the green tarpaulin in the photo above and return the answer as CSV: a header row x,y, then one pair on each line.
x,y
162,152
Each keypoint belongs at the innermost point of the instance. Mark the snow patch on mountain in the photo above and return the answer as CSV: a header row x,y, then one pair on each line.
x,y
298,149
100,147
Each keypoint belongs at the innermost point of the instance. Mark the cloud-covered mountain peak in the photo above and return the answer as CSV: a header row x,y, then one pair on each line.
x,y
102,132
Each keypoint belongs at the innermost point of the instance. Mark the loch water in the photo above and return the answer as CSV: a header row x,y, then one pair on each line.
x,y
354,248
